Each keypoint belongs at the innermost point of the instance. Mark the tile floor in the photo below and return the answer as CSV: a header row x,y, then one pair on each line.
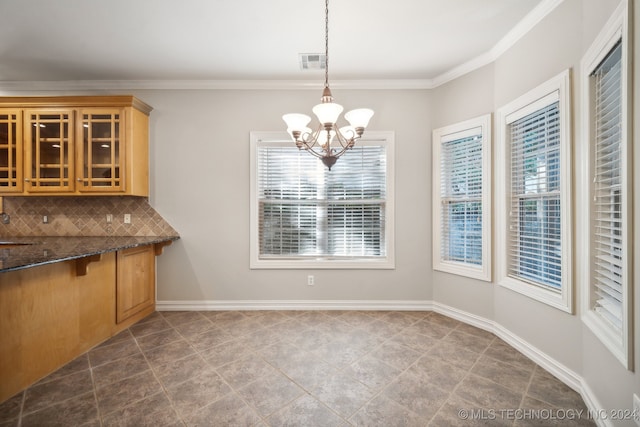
x,y
297,368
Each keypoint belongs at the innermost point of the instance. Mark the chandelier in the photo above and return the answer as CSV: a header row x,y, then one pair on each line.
x,y
319,142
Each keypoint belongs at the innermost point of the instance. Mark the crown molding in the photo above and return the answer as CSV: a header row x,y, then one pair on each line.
x,y
512,37
115,85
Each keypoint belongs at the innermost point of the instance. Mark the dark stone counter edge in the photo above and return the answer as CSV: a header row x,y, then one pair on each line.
x,y
42,250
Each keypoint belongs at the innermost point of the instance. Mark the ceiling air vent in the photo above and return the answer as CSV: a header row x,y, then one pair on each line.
x,y
312,61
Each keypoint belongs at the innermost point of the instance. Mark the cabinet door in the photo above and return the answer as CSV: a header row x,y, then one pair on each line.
x,y
49,139
10,151
101,152
136,277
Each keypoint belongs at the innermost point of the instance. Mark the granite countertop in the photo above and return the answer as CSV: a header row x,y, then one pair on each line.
x,y
42,250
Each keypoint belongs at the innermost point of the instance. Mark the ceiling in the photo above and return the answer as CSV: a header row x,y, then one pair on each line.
x,y
251,40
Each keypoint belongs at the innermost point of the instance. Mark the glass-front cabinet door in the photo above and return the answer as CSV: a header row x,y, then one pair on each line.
x,y
49,139
101,154
10,151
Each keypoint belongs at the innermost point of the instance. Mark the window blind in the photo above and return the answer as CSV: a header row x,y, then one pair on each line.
x,y
534,238
461,199
307,211
607,232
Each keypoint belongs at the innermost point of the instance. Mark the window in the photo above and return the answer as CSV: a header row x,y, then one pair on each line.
x,y
607,301
462,198
534,182
306,216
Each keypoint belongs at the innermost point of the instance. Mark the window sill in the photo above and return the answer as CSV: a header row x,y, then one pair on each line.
x,y
557,300
319,264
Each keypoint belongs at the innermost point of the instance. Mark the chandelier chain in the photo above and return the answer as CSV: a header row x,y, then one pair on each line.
x,y
326,44
318,142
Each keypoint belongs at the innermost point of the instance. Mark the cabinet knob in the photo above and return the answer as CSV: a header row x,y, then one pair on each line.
x,y
27,180
79,179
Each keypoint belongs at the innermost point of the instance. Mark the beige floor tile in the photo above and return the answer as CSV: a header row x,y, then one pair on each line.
x,y
152,411
454,354
168,353
383,412
487,394
270,393
158,339
10,408
397,355
508,376
115,396
306,411
548,388
80,410
416,393
343,394
180,370
372,372
124,348
119,370
296,368
228,411
241,372
151,327
52,392
191,329
197,392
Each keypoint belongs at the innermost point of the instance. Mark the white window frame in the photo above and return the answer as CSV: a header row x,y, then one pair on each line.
x,y
387,262
616,29
557,88
476,126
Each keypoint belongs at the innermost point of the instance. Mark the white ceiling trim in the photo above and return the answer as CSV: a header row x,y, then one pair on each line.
x,y
511,38
39,86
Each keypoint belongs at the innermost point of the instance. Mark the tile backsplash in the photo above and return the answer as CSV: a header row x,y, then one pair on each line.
x,y
82,216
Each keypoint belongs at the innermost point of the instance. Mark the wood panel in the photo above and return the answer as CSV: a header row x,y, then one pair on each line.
x,y
135,282
49,315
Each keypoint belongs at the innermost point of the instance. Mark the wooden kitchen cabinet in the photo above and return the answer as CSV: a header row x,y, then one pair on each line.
x,y
51,314
49,149
11,175
135,283
74,145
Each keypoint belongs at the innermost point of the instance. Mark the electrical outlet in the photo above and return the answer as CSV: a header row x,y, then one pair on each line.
x,y
109,218
127,218
45,219
310,280
636,409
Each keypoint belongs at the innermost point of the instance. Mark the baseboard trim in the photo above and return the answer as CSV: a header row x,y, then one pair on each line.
x,y
564,374
391,305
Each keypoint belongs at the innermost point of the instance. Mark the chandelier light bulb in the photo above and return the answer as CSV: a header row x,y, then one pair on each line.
x,y
359,118
327,112
296,122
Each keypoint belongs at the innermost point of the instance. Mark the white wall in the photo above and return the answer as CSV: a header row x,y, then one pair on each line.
x,y
555,44
200,184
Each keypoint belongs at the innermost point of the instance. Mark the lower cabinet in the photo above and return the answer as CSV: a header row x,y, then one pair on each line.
x,y
51,314
135,283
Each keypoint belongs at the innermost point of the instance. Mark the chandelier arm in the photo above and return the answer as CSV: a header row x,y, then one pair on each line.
x,y
314,152
341,152
343,140
310,139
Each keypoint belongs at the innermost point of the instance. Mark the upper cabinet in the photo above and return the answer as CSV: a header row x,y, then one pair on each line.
x,y
10,150
74,145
